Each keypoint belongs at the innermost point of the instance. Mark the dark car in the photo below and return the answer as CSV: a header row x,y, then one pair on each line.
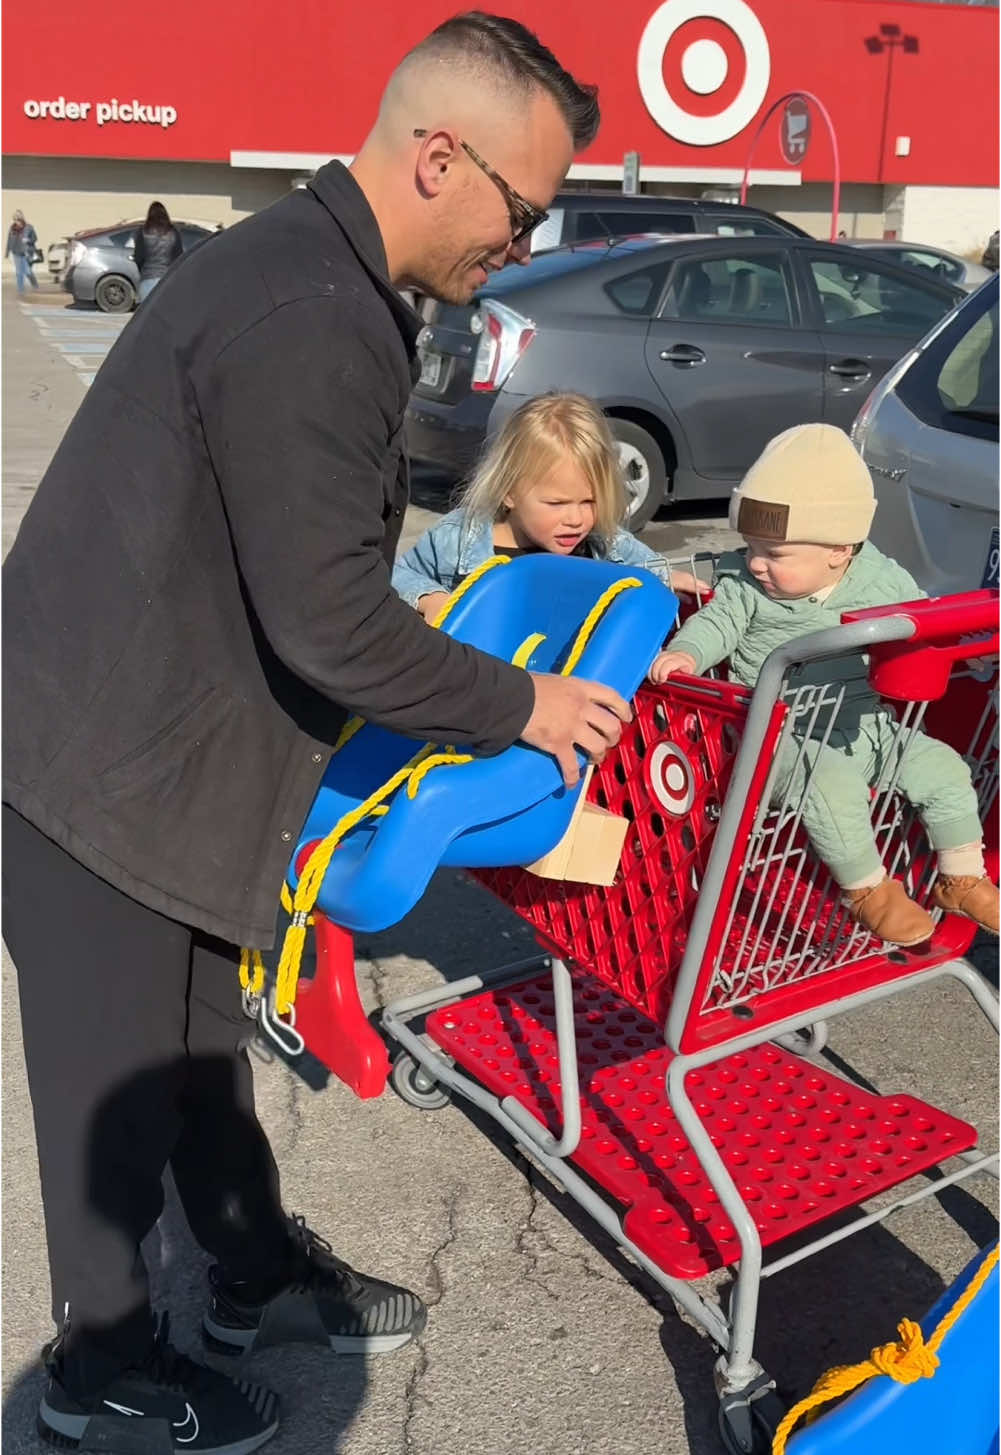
x,y
576,217
699,350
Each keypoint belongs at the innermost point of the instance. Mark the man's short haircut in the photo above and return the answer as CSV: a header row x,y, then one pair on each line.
x,y
514,54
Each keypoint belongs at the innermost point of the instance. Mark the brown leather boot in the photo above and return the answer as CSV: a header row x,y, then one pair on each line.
x,y
965,894
886,911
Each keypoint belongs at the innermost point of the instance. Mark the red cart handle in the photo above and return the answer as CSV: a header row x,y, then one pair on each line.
x,y
917,670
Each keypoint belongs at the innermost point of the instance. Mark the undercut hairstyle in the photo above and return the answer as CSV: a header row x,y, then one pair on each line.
x,y
515,55
540,434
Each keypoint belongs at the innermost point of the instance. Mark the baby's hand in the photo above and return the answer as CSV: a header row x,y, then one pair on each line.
x,y
667,662
685,581
430,605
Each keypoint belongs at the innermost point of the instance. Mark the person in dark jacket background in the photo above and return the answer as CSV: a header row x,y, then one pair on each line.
x,y
157,245
198,595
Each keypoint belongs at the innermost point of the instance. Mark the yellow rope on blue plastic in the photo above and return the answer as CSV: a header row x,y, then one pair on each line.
x,y
905,1360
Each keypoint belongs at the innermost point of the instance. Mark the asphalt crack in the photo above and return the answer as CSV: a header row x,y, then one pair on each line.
x,y
413,1397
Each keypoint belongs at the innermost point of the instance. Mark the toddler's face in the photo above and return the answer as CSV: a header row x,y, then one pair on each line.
x,y
556,512
790,569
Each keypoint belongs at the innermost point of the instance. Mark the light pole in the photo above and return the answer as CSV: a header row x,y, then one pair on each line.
x,y
889,39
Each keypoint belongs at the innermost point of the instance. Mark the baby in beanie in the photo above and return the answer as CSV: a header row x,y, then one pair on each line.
x,y
804,509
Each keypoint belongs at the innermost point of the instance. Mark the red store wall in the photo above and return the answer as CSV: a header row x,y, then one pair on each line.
x,y
307,78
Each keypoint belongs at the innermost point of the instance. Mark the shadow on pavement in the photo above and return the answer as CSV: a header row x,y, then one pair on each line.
x,y
320,1394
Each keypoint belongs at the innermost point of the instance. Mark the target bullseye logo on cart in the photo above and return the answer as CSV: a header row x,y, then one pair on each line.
x,y
708,68
672,779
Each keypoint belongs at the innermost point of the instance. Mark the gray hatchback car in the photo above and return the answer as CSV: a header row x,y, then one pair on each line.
x,y
699,350
99,267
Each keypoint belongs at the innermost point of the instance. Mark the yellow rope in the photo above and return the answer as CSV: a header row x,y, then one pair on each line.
x,y
907,1360
254,983
412,774
470,580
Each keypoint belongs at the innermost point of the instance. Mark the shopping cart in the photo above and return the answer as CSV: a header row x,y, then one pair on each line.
x,y
652,1068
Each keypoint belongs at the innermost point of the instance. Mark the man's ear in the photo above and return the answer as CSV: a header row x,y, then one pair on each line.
x,y
439,151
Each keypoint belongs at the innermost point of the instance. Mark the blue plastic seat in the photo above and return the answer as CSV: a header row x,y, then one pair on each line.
x,y
955,1412
510,809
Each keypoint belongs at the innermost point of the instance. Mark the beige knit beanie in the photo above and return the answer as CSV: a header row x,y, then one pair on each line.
x,y
808,484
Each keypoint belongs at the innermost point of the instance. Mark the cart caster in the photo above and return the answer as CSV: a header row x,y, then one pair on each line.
x,y
416,1086
748,1420
808,1041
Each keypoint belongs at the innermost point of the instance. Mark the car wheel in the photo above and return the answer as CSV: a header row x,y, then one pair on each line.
x,y
643,470
115,294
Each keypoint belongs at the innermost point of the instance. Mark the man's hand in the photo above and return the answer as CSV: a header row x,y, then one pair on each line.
x,y
570,713
667,662
430,605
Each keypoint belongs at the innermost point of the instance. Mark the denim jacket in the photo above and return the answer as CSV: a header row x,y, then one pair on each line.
x,y
452,549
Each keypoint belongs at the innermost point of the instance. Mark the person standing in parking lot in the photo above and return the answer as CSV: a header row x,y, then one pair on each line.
x,y
198,596
157,245
22,242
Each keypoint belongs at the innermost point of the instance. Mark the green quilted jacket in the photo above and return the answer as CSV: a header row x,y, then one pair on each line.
x,y
743,624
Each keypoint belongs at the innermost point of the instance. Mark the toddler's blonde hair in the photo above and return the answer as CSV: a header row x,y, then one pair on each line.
x,y
538,436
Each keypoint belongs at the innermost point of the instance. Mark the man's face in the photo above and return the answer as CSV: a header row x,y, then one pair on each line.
x,y
473,222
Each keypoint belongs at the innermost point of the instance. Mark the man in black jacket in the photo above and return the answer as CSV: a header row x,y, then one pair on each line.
x,y
198,595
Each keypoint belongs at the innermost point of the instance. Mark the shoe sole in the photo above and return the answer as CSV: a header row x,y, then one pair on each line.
x,y
113,1435
224,1339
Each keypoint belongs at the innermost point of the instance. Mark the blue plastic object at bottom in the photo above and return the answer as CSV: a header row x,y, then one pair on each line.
x,y
953,1413
510,809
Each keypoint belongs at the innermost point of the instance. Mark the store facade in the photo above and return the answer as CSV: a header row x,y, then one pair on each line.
x,y
218,110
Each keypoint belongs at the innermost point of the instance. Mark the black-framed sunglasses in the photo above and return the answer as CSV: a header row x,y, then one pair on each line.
x,y
524,217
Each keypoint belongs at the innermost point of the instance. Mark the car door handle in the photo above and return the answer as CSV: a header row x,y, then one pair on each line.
x,y
850,369
683,354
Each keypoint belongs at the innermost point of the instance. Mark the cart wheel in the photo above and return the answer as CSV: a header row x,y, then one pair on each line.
x,y
410,1080
809,1041
748,1420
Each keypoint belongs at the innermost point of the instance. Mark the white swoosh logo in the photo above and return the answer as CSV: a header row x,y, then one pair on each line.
x,y
190,1417
122,1409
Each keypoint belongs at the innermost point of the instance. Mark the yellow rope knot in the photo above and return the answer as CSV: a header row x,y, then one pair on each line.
x,y
905,1360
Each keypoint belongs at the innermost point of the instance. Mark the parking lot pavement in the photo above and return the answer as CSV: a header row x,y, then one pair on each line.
x,y
81,336
541,1337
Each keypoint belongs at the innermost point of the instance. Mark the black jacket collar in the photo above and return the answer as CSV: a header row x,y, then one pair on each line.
x,y
334,186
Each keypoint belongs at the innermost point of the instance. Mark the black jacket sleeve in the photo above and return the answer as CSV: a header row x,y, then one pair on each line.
x,y
299,413
139,250
176,246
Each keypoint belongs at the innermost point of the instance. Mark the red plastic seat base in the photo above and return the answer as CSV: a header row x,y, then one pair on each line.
x,y
800,1143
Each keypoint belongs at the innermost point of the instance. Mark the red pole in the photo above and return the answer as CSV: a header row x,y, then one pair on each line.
x,y
802,96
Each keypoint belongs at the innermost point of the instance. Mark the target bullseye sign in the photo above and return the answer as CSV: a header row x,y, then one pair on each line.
x,y
672,779
705,68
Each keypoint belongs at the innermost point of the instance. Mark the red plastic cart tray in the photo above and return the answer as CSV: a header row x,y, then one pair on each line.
x,y
800,1143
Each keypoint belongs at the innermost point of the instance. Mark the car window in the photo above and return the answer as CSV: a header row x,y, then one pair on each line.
x,y
122,237
868,300
724,226
592,225
933,263
638,293
191,235
953,385
731,289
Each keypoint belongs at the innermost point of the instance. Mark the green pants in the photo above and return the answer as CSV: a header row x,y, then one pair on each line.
x,y
831,783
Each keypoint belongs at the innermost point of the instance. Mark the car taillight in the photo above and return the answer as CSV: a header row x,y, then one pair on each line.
x,y
505,337
76,253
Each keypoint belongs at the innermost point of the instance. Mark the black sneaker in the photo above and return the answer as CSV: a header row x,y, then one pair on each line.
x,y
324,1302
167,1406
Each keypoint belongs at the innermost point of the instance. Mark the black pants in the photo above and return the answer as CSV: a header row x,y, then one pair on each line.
x,y
134,1040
